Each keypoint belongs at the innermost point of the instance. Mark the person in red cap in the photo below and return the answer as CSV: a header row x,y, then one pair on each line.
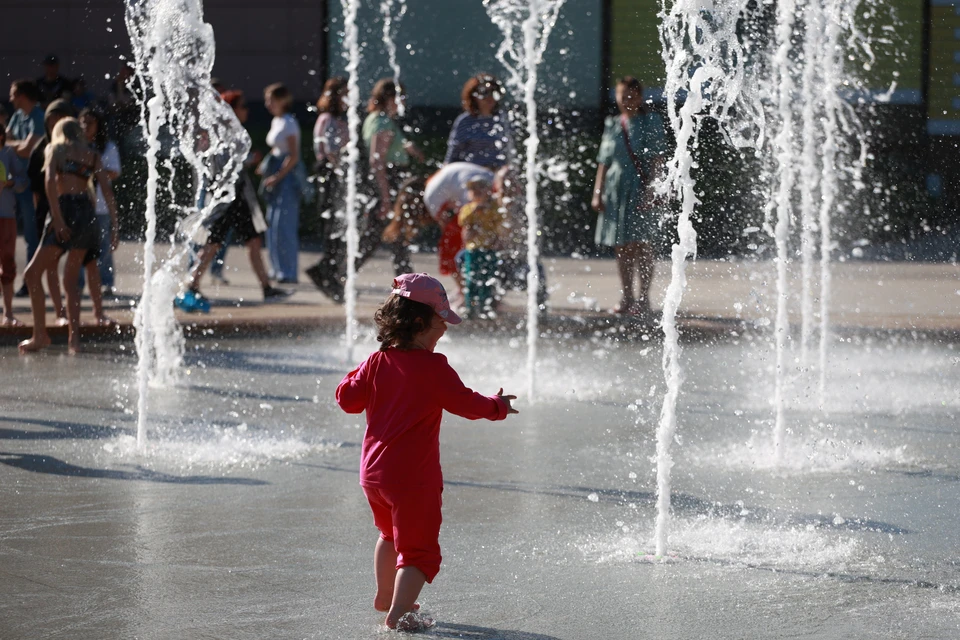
x,y
404,387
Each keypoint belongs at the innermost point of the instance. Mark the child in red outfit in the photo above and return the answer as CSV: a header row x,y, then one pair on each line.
x,y
404,388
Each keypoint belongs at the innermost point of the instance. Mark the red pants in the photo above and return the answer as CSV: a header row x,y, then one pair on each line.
x,y
8,248
410,519
451,241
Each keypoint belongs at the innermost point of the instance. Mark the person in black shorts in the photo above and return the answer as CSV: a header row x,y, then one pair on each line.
x,y
73,229
243,215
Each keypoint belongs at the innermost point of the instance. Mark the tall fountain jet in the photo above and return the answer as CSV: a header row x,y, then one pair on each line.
x,y
173,52
526,27
812,112
812,44
351,44
717,73
706,67
391,23
785,161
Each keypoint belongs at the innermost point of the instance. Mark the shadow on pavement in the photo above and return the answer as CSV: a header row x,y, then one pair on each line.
x,y
841,576
247,395
53,466
258,362
687,505
470,632
64,430
683,505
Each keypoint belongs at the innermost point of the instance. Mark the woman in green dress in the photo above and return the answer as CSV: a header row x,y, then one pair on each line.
x,y
630,158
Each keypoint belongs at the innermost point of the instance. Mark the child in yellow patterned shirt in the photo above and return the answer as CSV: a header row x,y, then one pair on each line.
x,y
481,220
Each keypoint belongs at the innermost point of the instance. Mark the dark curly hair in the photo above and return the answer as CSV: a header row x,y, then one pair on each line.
x,y
479,85
385,89
330,99
399,320
409,213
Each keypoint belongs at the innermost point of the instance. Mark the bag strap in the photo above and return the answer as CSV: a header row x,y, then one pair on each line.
x,y
633,156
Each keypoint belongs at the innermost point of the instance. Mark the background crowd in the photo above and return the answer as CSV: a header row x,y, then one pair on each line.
x,y
474,197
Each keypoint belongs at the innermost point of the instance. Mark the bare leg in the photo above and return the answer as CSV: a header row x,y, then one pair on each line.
x,y
385,570
96,294
43,259
53,286
406,589
8,319
206,256
71,283
254,252
626,265
645,271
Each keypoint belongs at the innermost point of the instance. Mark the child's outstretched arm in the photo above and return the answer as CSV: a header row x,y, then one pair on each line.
x,y
459,399
352,390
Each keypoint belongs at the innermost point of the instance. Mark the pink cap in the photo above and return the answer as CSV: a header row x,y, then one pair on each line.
x,y
428,290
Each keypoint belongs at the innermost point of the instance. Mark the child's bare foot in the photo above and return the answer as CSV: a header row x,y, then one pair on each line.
x,y
411,621
106,321
382,603
73,345
62,321
10,321
33,344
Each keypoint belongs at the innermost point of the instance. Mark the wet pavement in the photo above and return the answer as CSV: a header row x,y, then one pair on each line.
x,y
242,517
722,296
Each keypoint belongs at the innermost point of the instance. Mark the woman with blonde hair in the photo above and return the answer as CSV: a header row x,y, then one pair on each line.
x,y
69,167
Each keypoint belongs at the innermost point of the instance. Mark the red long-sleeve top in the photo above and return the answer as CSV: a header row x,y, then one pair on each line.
x,y
404,394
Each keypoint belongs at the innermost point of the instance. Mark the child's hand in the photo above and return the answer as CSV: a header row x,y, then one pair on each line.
x,y
507,400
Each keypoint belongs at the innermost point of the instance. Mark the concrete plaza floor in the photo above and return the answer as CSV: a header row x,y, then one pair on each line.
x,y
720,296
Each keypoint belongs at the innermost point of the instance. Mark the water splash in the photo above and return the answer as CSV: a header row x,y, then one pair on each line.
x,y
705,59
218,447
526,27
167,343
173,54
389,32
818,453
736,543
351,51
